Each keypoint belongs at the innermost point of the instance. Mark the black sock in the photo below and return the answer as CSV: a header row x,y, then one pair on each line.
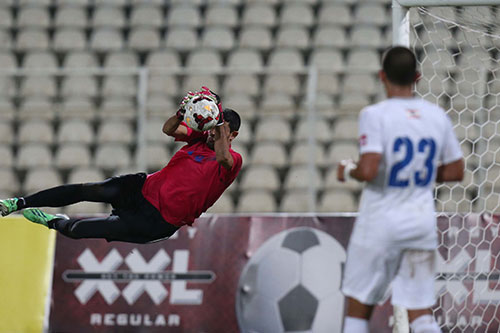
x,y
21,203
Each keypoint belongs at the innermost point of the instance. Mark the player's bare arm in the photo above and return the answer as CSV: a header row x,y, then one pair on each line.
x,y
173,127
451,172
222,136
364,171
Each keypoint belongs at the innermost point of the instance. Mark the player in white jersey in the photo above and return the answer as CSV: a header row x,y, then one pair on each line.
x,y
406,145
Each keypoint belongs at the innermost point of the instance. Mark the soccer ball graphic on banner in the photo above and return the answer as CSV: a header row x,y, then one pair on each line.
x,y
292,283
202,114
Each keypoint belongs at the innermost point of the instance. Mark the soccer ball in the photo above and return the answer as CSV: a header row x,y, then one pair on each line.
x,y
202,113
292,284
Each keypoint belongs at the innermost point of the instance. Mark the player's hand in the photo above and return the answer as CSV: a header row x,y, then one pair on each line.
x,y
344,167
182,106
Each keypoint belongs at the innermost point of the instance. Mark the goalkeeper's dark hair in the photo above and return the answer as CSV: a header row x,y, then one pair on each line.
x,y
233,118
400,65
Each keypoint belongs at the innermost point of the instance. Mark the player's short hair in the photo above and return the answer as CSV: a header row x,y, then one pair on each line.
x,y
233,118
400,65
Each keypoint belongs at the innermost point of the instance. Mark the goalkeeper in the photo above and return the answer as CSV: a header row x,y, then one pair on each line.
x,y
152,207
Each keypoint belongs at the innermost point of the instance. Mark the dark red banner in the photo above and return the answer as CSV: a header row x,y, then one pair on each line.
x,y
263,274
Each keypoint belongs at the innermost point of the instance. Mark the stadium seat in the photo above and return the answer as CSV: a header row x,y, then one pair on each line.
x,y
327,84
143,39
256,37
219,38
295,202
336,201
79,85
163,58
241,149
267,153
69,39
157,156
9,183
296,14
108,17
31,39
154,132
245,133
288,84
331,182
40,59
245,58
360,83
212,3
121,59
7,60
329,37
439,34
5,18
76,107
203,58
299,178
106,39
72,155
115,3
261,178
33,155
38,85
40,179
118,108
223,205
293,37
114,131
59,3
256,201
277,104
321,130
184,15
80,59
119,85
290,59
36,107
159,104
6,156
75,130
181,39
33,17
365,37
85,175
35,131
196,81
221,15
352,102
345,128
146,16
7,87
7,111
371,13
341,151
241,84
335,14
70,17
6,42
6,133
440,60
243,104
363,60
327,59
259,14
112,156
163,84
273,129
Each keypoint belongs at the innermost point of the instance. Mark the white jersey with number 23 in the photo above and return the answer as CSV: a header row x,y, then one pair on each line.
x,y
414,137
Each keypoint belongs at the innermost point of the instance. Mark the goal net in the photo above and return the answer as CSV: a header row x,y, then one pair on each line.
x,y
459,53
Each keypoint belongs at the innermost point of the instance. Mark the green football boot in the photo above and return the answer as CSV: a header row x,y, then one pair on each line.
x,y
8,206
35,215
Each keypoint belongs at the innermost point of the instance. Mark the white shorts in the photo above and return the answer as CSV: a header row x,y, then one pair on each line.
x,y
369,272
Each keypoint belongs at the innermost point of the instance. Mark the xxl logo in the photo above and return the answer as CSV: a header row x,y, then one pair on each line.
x,y
142,277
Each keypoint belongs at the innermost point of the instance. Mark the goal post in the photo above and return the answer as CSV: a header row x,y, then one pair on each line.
x,y
457,43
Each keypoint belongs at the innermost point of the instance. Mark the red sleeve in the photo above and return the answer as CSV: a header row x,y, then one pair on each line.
x,y
237,163
192,135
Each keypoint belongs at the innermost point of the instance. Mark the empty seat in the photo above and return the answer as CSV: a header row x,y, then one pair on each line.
x,y
300,154
196,81
7,111
359,83
296,14
321,129
204,58
33,155
157,156
327,59
121,59
335,14
5,18
256,201
257,37
221,15
69,39
260,177
70,16
146,16
75,130
112,156
336,201
7,60
366,36
144,39
245,58
40,59
247,84
341,151
115,3
106,39
353,102
7,86
6,156
40,179
157,104
329,37
294,37
287,84
259,14
219,38
371,14
118,108
273,129
280,59
108,16
9,183
6,133
80,59
60,3
243,104
33,16
363,61
72,155
79,85
154,132
162,84
163,58
35,131
269,154
244,133
300,177
184,15
119,85
114,131
76,107
36,107
278,104
6,42
295,201
38,85
30,39
85,174
345,128
182,39
223,205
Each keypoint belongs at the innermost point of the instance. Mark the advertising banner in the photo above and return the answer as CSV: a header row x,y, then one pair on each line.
x,y
256,273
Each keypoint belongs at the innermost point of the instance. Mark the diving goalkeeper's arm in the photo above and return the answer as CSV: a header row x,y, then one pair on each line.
x,y
222,140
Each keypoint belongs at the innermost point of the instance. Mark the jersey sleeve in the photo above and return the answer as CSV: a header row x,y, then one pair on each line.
x,y
237,163
370,132
192,135
451,147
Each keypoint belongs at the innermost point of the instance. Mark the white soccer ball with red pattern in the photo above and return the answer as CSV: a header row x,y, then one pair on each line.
x,y
202,113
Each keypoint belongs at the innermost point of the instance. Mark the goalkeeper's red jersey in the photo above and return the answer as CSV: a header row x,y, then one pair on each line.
x,y
191,182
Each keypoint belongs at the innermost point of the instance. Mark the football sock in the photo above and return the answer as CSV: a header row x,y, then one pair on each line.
x,y
425,324
355,325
